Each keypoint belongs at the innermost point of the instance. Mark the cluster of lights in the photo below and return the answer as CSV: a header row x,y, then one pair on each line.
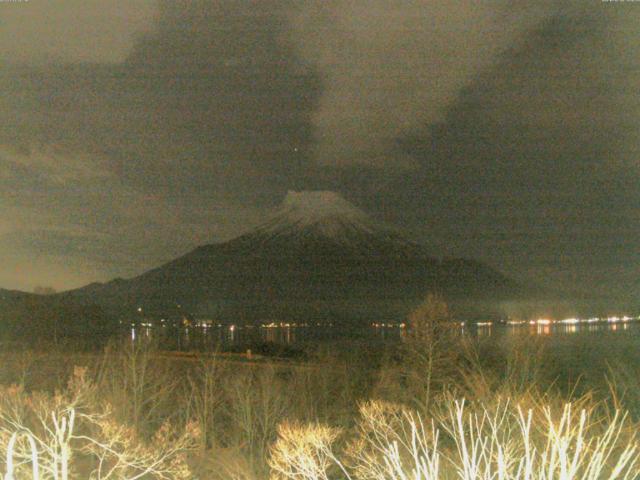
x,y
573,321
207,324
484,324
389,325
283,325
404,325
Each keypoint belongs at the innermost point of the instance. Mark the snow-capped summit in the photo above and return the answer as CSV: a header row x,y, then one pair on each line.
x,y
308,207
320,213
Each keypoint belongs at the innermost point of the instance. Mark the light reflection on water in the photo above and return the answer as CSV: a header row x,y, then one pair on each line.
x,y
569,329
199,338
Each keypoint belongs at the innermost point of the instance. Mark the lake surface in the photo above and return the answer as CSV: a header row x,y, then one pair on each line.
x,y
582,353
602,336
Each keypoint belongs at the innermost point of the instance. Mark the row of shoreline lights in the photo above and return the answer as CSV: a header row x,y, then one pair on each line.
x,y
539,321
567,321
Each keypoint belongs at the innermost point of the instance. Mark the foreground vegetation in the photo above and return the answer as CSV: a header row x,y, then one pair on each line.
x,y
437,406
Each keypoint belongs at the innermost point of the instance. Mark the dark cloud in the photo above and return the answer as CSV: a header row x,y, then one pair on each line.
x,y
534,167
390,65
213,97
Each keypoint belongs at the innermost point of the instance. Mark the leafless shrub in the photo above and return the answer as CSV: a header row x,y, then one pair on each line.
x,y
140,385
499,441
72,434
304,452
257,402
206,397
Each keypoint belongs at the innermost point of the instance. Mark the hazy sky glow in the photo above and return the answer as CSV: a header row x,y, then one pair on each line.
x,y
133,131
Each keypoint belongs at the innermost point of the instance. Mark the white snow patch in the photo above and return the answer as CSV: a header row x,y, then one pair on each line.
x,y
327,214
322,212
307,208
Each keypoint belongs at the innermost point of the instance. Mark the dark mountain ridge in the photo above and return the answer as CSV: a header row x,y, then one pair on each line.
x,y
318,258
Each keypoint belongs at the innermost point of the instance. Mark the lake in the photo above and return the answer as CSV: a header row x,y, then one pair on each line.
x,y
604,337
580,353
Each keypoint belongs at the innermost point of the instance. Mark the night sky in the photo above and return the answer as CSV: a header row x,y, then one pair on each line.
x,y
132,131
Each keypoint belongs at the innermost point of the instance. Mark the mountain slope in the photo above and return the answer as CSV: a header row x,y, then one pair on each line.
x,y
317,257
32,317
11,294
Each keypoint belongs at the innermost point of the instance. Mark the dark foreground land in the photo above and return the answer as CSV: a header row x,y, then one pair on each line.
x,y
447,405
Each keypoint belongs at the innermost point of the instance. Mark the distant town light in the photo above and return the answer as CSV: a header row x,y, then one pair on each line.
x,y
570,321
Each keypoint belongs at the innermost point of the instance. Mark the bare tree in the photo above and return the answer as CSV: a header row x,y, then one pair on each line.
x,y
430,349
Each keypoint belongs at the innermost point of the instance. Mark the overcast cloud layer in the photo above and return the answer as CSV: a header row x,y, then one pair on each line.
x,y
131,132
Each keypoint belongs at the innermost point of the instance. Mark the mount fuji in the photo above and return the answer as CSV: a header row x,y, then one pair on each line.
x,y
318,258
